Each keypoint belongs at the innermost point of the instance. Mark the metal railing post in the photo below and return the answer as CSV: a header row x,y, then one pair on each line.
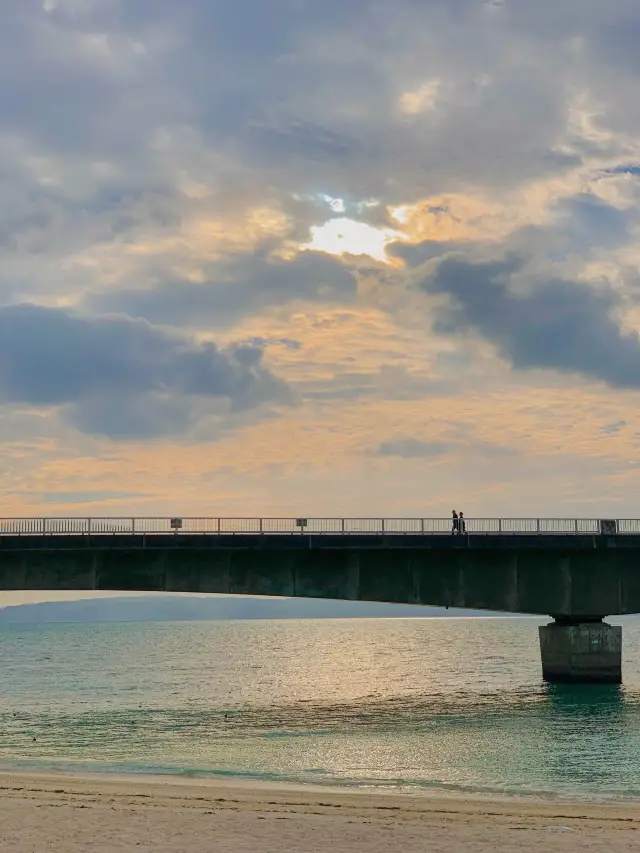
x,y
342,526
537,525
499,525
382,524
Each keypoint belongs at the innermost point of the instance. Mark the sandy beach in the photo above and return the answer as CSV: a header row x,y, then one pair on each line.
x,y
70,814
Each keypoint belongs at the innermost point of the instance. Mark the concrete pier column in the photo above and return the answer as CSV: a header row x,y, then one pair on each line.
x,y
581,651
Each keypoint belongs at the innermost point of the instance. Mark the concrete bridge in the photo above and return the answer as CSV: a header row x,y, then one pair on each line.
x,y
576,570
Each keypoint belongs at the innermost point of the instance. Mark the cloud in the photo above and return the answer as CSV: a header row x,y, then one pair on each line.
x,y
585,216
556,324
236,287
415,254
302,101
412,448
160,131
89,496
460,443
122,377
170,161
614,428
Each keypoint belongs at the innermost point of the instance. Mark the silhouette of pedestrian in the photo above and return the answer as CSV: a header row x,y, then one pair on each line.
x,y
455,527
462,524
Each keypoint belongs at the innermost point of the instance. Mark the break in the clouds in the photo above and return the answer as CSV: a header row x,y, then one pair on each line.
x,y
285,173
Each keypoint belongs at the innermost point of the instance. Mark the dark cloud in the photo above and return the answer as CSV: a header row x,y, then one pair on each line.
x,y
617,42
458,444
614,428
91,496
555,324
302,96
585,215
239,286
123,377
412,448
64,78
415,254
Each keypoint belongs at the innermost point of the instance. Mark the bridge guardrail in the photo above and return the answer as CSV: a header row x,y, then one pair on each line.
x,y
628,525
317,526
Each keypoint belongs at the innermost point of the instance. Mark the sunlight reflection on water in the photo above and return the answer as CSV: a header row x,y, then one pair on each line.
x,y
454,702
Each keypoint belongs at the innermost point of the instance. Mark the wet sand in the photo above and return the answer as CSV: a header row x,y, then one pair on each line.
x,y
69,814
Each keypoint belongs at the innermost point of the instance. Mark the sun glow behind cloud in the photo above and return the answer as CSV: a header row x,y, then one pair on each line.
x,y
347,236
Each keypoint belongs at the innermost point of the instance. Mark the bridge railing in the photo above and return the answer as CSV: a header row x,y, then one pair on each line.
x,y
629,525
316,526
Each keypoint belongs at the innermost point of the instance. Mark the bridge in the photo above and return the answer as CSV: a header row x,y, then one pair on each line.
x,y
578,571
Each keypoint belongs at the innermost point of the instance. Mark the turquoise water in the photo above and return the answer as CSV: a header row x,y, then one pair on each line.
x,y
449,703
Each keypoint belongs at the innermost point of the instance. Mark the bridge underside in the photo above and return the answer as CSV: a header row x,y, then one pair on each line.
x,y
577,579
572,576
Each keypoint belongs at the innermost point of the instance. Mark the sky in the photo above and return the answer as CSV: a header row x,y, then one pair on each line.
x,y
319,258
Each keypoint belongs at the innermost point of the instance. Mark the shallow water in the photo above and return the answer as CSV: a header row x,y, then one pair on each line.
x,y
450,703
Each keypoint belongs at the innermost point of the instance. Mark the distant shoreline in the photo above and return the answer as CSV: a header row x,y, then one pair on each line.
x,y
267,619
206,608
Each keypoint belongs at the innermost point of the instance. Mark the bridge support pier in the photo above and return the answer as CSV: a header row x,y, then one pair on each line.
x,y
581,650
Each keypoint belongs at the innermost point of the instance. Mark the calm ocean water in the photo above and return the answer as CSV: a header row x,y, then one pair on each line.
x,y
456,704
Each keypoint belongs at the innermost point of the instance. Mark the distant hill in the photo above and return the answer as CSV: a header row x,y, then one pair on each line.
x,y
156,608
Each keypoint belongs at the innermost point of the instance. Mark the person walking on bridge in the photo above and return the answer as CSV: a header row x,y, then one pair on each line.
x,y
462,524
455,527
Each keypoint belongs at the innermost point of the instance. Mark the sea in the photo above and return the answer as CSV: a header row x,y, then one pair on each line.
x,y
455,704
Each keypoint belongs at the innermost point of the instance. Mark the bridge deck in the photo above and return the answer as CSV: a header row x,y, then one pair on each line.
x,y
522,542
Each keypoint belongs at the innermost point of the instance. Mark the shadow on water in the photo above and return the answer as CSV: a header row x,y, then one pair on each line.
x,y
585,698
591,732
